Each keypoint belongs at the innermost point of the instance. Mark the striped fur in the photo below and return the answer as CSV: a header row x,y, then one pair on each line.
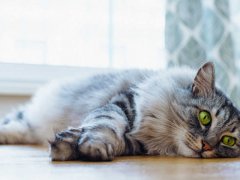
x,y
128,113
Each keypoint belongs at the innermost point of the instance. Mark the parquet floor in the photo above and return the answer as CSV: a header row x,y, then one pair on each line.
x,y
33,163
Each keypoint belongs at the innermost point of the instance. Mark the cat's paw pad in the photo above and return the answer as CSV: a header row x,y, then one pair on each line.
x,y
95,149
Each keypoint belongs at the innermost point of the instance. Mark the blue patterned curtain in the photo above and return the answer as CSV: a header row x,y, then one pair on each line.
x,y
202,30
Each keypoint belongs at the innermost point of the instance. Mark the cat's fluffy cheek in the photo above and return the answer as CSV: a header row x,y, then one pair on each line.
x,y
183,149
186,151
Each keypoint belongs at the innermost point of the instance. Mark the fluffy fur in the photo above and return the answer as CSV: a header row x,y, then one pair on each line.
x,y
126,113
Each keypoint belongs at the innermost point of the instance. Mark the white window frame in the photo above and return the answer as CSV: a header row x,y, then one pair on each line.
x,y
25,79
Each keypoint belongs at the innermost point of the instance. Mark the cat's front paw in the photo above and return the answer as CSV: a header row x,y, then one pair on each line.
x,y
93,148
74,144
65,145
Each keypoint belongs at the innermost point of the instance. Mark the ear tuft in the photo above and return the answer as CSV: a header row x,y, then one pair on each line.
x,y
204,81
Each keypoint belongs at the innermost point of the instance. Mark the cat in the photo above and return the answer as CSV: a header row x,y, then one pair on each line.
x,y
172,112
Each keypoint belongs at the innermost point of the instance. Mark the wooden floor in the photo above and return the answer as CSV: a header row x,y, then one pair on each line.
x,y
32,162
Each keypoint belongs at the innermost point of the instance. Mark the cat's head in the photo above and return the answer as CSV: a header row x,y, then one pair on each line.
x,y
208,123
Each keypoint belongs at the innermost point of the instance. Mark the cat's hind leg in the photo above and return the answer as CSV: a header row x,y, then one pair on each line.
x,y
24,126
15,129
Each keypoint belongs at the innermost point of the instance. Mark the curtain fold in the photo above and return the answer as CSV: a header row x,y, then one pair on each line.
x,y
197,31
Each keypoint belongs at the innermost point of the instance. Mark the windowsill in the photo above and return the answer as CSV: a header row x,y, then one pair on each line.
x,y
25,79
18,88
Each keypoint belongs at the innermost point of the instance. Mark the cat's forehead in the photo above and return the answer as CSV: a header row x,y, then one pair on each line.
x,y
219,102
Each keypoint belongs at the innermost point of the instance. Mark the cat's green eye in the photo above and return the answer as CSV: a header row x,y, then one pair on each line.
x,y
229,140
205,118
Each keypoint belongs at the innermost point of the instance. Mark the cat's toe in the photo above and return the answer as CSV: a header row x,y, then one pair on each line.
x,y
63,151
95,149
65,145
70,135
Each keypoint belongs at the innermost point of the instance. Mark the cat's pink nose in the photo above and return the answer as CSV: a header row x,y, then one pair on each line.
x,y
206,146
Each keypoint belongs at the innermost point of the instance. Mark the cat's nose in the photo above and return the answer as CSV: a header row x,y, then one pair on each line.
x,y
206,146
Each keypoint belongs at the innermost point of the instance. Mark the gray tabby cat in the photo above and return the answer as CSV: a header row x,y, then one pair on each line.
x,y
176,112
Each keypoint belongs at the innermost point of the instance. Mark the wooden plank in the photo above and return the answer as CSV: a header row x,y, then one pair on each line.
x,y
32,162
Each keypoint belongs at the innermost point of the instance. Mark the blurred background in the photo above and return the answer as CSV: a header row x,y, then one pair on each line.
x,y
87,33
41,40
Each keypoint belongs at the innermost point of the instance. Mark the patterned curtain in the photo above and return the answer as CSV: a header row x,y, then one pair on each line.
x,y
201,30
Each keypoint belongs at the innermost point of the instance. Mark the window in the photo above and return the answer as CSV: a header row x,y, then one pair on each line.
x,y
86,33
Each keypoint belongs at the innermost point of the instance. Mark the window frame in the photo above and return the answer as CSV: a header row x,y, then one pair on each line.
x,y
25,79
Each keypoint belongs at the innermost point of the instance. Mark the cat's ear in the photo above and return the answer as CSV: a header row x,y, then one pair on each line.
x,y
203,84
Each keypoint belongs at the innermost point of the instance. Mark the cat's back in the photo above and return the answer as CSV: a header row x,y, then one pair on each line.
x,y
97,90
106,84
76,97
168,80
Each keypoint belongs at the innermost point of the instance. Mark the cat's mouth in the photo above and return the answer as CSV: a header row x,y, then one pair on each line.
x,y
201,153
204,154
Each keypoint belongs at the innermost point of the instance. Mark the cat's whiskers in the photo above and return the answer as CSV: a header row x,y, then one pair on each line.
x,y
189,140
193,142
